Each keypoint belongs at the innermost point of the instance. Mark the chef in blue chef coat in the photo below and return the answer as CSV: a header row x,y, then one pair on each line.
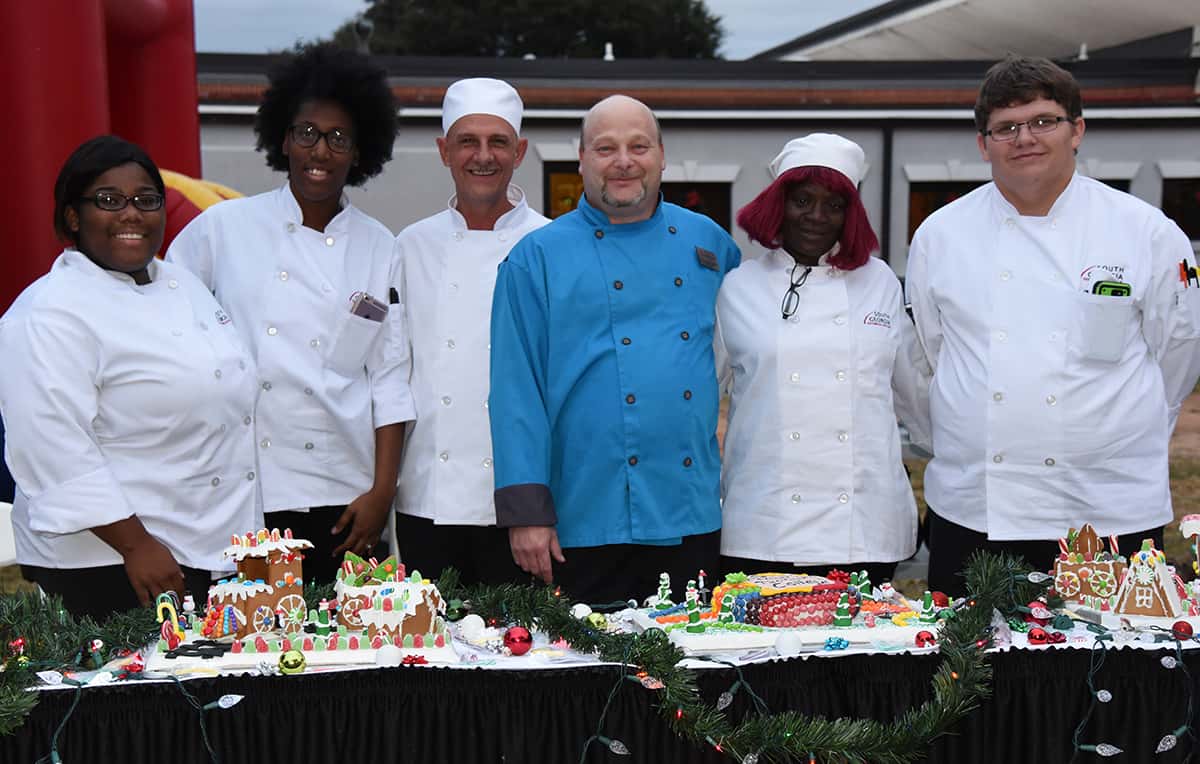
x,y
603,391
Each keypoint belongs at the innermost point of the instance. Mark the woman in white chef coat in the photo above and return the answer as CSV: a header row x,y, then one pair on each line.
x,y
814,342
307,278
124,392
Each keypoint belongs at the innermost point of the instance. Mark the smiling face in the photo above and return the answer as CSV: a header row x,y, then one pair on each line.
x,y
1032,166
316,174
621,159
813,217
125,240
481,151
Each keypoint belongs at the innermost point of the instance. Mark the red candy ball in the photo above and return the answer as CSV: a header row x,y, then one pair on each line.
x,y
1181,630
925,639
940,600
1038,636
518,640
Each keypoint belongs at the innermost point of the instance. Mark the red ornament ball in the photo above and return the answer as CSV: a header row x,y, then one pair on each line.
x,y
518,640
1038,636
925,639
1181,630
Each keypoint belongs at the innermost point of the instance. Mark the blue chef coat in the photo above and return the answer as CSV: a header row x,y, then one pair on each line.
x,y
603,388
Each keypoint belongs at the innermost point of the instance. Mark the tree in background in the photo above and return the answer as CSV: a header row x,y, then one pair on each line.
x,y
545,28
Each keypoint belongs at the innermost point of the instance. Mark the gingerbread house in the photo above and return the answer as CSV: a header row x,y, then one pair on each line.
x,y
359,581
1149,588
404,611
268,592
1085,572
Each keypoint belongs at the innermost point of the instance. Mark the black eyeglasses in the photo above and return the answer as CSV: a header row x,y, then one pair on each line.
x,y
111,201
791,298
1037,126
306,136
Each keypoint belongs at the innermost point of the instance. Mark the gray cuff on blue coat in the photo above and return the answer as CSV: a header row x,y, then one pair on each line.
x,y
525,504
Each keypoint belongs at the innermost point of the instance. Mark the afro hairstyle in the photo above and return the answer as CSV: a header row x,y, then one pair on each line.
x,y
325,72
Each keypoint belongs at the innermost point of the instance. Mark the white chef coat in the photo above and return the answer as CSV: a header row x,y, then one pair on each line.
x,y
122,399
327,378
448,275
1053,406
812,472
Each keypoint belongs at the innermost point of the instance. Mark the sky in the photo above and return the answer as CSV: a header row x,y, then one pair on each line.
x,y
257,26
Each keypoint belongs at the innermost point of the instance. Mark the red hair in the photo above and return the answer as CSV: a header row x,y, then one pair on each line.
x,y
762,219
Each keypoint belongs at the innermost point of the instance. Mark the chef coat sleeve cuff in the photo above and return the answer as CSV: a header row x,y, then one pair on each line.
x,y
525,504
392,409
84,502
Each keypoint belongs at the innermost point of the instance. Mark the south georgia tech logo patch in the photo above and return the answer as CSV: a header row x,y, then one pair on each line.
x,y
222,317
878,318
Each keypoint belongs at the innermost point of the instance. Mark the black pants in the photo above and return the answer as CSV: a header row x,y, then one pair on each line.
x,y
320,563
99,592
950,545
480,553
601,575
878,571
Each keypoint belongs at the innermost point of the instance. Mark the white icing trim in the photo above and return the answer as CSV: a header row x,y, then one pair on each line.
x,y
238,590
237,552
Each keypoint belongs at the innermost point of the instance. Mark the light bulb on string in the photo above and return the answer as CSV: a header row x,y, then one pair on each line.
x,y
1038,577
1170,740
1103,696
1102,749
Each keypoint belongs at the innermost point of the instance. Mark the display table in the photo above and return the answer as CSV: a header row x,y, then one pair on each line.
x,y
422,714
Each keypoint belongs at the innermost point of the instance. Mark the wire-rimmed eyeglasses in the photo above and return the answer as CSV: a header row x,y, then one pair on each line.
x,y
791,298
1037,126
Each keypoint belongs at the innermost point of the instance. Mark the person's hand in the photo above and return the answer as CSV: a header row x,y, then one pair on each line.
x,y
366,517
152,570
532,548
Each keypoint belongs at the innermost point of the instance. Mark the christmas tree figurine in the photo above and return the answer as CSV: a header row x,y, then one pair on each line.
x,y
726,614
694,625
864,587
663,600
853,579
928,609
841,617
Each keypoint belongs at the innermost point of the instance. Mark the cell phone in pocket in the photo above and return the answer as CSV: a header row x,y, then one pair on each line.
x,y
366,306
1111,289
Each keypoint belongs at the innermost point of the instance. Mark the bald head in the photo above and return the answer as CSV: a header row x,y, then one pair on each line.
x,y
621,159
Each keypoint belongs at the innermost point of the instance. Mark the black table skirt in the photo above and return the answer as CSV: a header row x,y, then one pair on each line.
x,y
450,715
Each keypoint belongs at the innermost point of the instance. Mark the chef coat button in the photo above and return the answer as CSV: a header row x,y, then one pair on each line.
x,y
997,458
599,234
684,336
843,498
446,400
308,391
242,365
687,395
177,332
453,287
1051,400
266,443
843,436
795,376
308,446
1005,275
217,373
450,344
203,327
222,428
618,285
672,229
173,284
502,237
678,281
326,288
291,227
626,341
687,461
246,420
997,397
1054,224
249,475
1053,336
839,320
795,436
283,275
795,498
630,398
841,376
458,236
633,461
272,331
1002,336
329,241
485,403
216,482
1009,223
487,462
444,457
1049,461
266,385
316,343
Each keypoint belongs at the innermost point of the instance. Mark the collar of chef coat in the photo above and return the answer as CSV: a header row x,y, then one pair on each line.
x,y
510,219
1005,208
74,259
293,214
780,260
595,217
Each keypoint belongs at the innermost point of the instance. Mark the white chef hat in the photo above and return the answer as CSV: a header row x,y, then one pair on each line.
x,y
482,95
822,150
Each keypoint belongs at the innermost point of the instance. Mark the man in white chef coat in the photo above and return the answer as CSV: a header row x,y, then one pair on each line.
x,y
1061,319
448,265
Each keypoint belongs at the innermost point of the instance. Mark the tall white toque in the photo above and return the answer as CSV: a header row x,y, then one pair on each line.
x,y
482,95
822,150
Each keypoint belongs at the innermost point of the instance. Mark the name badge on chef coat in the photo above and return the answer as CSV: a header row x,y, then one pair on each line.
x,y
707,259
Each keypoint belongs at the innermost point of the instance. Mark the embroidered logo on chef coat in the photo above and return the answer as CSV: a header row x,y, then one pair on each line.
x,y
707,259
878,318
1095,273
222,317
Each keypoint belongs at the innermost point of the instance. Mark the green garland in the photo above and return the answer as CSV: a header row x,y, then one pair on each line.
x,y
961,681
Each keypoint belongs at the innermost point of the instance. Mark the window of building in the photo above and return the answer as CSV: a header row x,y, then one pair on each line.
x,y
562,187
711,199
924,198
1181,203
